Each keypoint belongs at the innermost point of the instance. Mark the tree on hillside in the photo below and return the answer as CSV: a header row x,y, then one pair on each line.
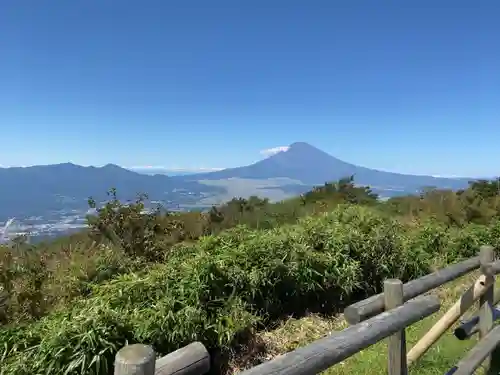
x,y
343,190
129,226
486,188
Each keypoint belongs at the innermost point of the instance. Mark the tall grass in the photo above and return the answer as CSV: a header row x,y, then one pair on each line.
x,y
222,287
36,279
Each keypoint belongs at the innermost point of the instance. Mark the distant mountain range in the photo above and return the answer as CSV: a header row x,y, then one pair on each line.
x,y
37,190
63,189
166,171
312,166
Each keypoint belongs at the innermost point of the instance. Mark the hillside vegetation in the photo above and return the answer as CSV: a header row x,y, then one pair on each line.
x,y
219,277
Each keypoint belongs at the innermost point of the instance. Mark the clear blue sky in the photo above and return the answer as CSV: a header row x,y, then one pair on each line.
x,y
409,86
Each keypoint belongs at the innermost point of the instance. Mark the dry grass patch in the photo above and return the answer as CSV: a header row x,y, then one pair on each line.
x,y
295,333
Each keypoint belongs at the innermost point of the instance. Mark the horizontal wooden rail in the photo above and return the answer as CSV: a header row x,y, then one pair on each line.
x,y
369,307
476,356
192,359
331,350
138,359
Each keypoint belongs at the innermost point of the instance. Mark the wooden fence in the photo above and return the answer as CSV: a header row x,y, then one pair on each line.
x,y
385,315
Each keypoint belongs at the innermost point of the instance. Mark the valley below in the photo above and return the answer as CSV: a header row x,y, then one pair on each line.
x,y
59,202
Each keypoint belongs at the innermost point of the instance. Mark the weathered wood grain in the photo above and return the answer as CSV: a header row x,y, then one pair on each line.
x,y
396,346
192,359
136,359
362,310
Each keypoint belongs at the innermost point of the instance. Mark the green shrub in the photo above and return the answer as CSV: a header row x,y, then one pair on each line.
x,y
35,280
222,286
465,242
218,288
127,226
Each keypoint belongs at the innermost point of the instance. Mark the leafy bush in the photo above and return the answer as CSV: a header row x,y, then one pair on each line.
x,y
67,297
218,288
128,226
35,280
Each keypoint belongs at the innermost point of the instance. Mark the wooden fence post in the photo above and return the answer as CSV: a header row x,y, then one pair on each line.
x,y
396,345
136,359
486,318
